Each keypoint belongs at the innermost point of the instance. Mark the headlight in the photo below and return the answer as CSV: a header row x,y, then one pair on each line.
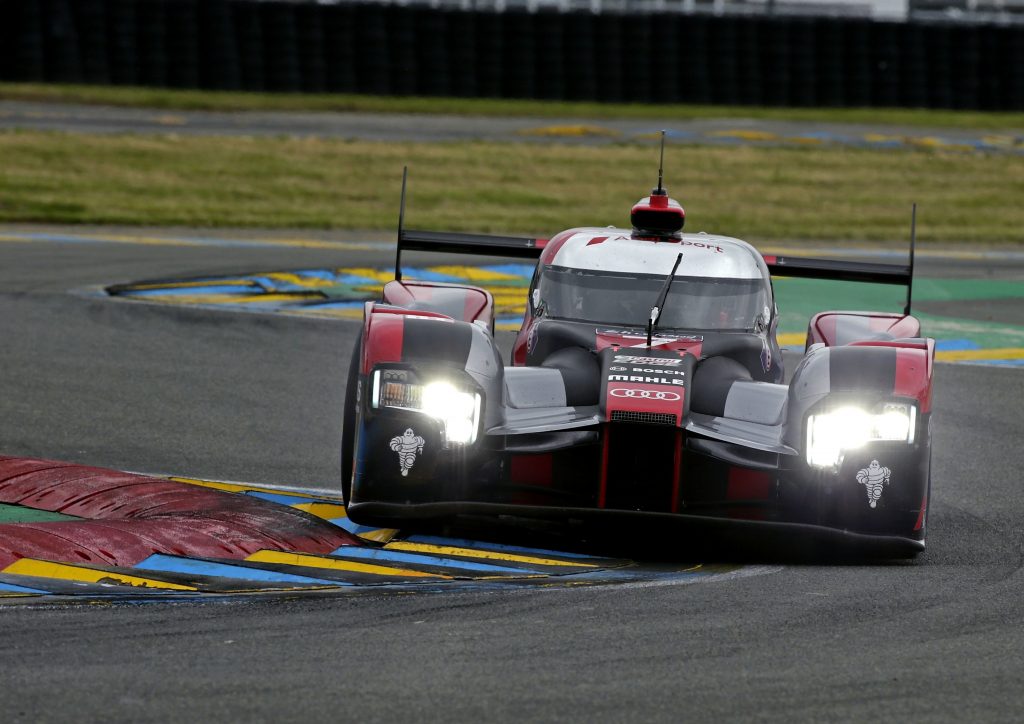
x,y
830,434
457,409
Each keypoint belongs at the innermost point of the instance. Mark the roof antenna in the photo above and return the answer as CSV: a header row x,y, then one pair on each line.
x,y
660,191
913,238
401,221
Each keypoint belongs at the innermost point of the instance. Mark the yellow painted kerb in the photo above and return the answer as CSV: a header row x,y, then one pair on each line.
x,y
68,572
789,339
966,355
381,535
327,511
242,488
485,554
336,564
476,274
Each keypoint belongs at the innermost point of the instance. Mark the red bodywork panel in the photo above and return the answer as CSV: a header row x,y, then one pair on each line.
x,y
914,375
468,304
914,355
827,327
658,213
382,336
644,398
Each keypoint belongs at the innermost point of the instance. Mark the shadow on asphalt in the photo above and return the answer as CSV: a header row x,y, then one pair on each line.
x,y
661,542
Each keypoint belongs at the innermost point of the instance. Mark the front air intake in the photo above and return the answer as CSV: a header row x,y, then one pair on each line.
x,y
646,418
641,465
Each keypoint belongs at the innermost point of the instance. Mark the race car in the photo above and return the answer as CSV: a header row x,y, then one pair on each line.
x,y
646,380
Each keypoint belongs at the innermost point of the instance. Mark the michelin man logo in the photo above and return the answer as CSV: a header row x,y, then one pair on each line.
x,y
407,446
874,477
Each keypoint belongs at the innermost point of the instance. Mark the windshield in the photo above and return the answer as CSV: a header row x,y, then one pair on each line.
x,y
693,303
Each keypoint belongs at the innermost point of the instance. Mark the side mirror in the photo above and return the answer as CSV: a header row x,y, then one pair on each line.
x,y
762,320
538,305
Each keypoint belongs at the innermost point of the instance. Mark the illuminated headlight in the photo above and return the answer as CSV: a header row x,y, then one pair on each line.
x,y
457,409
830,434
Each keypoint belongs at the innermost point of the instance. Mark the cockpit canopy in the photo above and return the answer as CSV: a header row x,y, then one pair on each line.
x,y
693,303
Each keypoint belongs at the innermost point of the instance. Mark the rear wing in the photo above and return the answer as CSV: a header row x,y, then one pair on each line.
x,y
847,271
527,248
450,242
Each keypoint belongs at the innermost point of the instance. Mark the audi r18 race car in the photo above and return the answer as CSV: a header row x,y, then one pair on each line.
x,y
646,380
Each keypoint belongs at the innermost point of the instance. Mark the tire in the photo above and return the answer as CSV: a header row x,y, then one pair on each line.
x,y
928,494
348,424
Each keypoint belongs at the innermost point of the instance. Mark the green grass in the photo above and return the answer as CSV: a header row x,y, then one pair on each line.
x,y
238,101
752,192
18,514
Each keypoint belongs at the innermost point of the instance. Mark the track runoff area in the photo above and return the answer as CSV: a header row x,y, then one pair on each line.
x,y
74,533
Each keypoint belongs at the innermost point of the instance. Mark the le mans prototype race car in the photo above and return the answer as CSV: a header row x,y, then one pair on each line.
x,y
646,380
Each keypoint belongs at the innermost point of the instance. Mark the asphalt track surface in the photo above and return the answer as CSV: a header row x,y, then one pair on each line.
x,y
257,397
399,127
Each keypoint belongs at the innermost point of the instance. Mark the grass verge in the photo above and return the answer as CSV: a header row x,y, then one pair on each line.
x,y
238,101
755,193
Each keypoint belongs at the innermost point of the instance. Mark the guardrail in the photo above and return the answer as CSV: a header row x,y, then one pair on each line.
x,y
396,50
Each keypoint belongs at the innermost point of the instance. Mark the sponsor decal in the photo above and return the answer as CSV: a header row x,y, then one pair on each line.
x,y
637,334
646,380
667,395
633,339
644,370
407,445
660,361
874,478
701,245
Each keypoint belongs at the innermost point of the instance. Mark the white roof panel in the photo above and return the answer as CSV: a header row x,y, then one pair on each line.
x,y
704,255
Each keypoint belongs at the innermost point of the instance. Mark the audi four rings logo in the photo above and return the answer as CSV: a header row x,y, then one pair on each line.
x,y
644,394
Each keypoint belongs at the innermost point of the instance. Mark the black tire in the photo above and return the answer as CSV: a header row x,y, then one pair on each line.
x,y
348,423
928,494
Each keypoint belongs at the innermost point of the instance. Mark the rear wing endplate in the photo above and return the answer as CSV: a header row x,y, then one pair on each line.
x,y
850,271
450,242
